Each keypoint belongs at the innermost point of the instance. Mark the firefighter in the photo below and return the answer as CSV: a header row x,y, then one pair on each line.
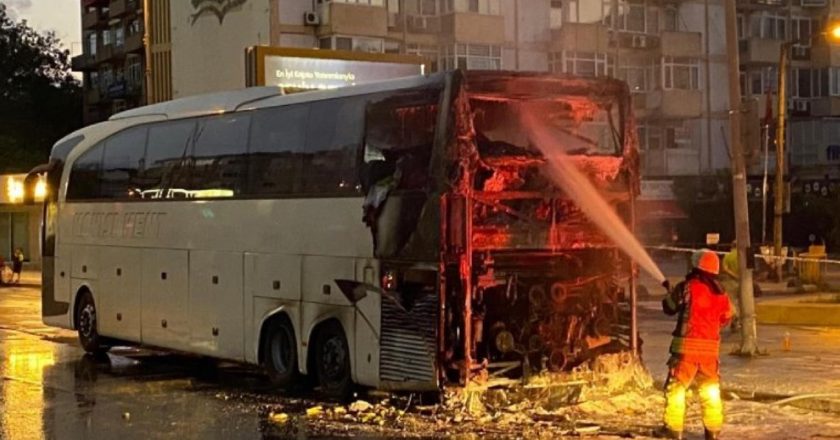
x,y
702,308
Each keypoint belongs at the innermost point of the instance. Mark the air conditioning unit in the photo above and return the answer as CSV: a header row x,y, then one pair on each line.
x,y
311,18
418,23
801,52
639,42
801,105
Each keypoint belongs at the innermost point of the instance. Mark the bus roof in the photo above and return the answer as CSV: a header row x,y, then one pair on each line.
x,y
258,97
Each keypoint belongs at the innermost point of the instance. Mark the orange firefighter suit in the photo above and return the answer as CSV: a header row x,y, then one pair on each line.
x,y
703,308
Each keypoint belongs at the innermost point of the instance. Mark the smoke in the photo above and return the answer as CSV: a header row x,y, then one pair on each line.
x,y
578,187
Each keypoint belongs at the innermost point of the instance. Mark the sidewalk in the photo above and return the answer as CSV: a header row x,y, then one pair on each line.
x,y
810,367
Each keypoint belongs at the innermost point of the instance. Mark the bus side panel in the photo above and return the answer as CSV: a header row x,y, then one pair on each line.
x,y
271,282
368,324
57,311
119,295
216,304
164,299
322,298
85,262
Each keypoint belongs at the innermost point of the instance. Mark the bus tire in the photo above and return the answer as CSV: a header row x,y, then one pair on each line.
x,y
86,325
332,360
279,353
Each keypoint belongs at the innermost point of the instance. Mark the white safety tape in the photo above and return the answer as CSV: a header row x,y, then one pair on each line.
x,y
766,258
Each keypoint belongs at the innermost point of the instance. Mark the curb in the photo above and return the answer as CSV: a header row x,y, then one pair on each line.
x,y
798,311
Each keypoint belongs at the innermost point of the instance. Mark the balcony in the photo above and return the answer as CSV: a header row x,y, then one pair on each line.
x,y
353,19
466,27
676,103
681,44
93,18
829,106
134,43
83,62
584,37
104,53
760,51
825,55
118,8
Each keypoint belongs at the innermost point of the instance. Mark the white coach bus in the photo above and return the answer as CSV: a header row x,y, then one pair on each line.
x,y
323,235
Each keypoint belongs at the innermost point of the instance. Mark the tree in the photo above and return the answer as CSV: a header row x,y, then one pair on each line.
x,y
40,100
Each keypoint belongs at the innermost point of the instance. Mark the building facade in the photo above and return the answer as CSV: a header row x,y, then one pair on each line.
x,y
813,86
19,222
112,59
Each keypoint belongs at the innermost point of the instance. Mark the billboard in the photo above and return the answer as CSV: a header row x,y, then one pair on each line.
x,y
312,69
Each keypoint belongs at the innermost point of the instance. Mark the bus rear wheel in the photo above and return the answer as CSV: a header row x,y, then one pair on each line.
x,y
280,354
87,325
332,358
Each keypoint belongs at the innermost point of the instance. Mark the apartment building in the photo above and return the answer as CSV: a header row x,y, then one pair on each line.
x,y
208,42
813,86
112,59
672,54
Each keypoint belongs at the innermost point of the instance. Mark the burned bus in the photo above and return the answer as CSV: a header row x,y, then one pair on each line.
x,y
400,235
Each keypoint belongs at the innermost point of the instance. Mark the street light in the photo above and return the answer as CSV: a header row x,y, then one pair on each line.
x,y
832,34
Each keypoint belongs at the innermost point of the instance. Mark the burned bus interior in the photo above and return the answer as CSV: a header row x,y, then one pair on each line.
x,y
467,222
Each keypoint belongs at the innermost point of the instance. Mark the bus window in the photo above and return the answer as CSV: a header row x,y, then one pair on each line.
x,y
277,141
218,159
168,147
332,143
398,143
121,164
84,181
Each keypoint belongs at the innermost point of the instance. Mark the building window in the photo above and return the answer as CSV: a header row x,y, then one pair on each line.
x,y
768,25
430,52
360,2
472,57
106,37
834,81
763,80
802,29
811,83
134,74
638,78
355,44
587,11
489,7
742,27
135,27
556,17
588,64
680,73
671,19
639,16
832,153
119,35
91,41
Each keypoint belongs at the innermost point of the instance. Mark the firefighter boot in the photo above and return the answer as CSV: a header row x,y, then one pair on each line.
x,y
712,435
666,432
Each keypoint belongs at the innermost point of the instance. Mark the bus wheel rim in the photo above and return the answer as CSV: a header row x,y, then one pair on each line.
x,y
87,318
334,358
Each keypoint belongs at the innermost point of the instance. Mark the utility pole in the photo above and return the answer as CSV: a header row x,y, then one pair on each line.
x,y
749,344
779,196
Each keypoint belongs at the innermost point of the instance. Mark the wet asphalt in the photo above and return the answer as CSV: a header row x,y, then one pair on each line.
x,y
50,389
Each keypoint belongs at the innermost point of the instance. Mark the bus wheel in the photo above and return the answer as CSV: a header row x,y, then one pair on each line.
x,y
333,362
280,353
86,325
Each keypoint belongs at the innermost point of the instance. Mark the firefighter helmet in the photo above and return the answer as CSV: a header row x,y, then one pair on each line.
x,y
706,260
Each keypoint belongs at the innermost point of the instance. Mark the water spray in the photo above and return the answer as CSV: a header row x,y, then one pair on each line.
x,y
577,186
